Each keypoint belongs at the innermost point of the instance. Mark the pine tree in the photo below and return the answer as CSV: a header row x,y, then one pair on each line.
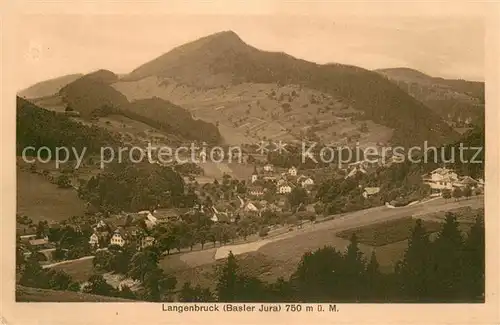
x,y
447,266
354,268
413,270
473,261
227,280
373,278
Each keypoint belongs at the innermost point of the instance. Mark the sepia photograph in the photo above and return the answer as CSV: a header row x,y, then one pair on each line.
x,y
250,163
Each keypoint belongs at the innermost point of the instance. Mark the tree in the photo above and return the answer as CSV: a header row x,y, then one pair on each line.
x,y
373,278
320,276
33,275
156,284
473,261
297,197
63,181
467,192
42,229
74,286
103,260
354,268
227,280
58,280
127,293
446,194
97,285
456,193
196,294
413,269
447,267
141,264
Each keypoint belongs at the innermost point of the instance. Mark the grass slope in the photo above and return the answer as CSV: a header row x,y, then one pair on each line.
x,y
454,100
27,294
41,200
224,59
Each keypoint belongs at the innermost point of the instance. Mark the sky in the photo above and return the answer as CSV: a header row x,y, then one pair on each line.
x,y
53,45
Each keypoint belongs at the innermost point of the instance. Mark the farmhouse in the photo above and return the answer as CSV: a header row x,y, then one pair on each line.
x,y
146,241
39,242
305,181
99,239
256,191
369,191
357,170
285,188
466,181
292,171
268,168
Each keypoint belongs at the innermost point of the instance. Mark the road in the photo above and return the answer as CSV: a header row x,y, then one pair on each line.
x,y
359,219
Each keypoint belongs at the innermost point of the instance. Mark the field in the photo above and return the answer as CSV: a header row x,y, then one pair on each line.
x,y
234,169
79,270
41,200
26,294
279,256
388,232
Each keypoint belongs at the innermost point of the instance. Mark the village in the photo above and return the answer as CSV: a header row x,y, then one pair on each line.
x,y
272,200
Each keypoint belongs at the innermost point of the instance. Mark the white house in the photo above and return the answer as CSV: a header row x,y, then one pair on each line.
x,y
255,177
268,168
251,207
284,188
305,181
440,179
256,191
146,241
369,191
119,238
292,171
466,181
94,240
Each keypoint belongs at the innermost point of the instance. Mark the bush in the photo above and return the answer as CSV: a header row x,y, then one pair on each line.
x,y
264,232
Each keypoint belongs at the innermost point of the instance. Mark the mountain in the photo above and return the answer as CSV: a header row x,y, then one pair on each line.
x,y
170,118
48,87
93,96
90,93
459,102
223,60
38,127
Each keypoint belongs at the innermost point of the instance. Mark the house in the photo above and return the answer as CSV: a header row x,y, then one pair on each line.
x,y
255,177
466,181
284,188
146,241
218,216
440,179
357,170
268,168
256,191
270,178
305,181
166,215
101,225
292,171
99,239
251,207
119,237
369,191
39,242
27,238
